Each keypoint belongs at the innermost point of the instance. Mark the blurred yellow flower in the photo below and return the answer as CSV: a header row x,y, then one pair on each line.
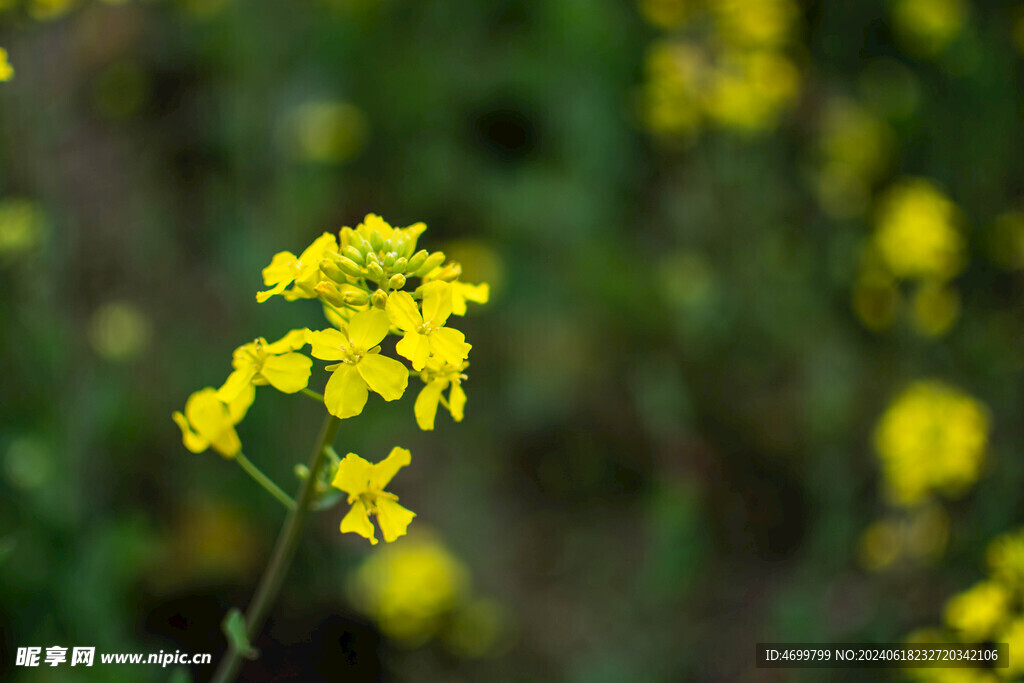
x,y
755,23
259,363
438,376
918,535
362,366
6,70
668,14
410,588
304,270
936,307
1005,557
119,330
49,9
1013,635
364,483
975,613
425,334
327,132
23,226
208,422
927,27
917,233
749,90
876,299
854,149
932,438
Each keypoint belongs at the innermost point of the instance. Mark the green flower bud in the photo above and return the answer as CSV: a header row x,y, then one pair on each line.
x,y
389,259
433,261
371,257
397,281
376,241
330,293
375,271
331,270
387,247
365,246
400,265
302,472
379,299
354,254
355,298
401,245
417,261
348,266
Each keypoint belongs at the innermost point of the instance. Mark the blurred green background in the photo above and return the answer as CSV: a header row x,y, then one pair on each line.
x,y
723,237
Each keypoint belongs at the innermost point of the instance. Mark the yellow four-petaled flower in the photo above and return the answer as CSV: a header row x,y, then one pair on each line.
x,y
208,422
364,483
277,364
425,333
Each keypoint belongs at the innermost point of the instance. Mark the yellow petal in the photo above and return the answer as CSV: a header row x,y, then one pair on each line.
x,y
426,405
345,393
403,311
263,296
437,302
358,521
236,382
192,441
393,519
415,347
287,373
353,475
293,341
281,271
314,253
374,223
327,344
368,328
449,344
384,471
457,402
384,375
239,406
211,421
463,292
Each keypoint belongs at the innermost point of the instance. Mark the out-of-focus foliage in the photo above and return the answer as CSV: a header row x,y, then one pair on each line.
x,y
725,242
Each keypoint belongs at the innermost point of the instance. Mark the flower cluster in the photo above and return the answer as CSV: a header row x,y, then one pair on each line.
x,y
931,439
6,70
365,280
725,65
992,610
917,238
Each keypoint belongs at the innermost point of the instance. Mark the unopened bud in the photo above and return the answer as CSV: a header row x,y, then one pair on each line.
x,y
375,271
433,261
400,265
417,260
389,259
376,240
329,268
348,266
330,293
450,273
354,254
379,299
397,281
386,246
353,298
371,257
302,472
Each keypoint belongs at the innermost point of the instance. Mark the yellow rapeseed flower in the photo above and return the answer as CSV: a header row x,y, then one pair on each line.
x,y
364,483
916,232
461,291
6,70
927,27
425,333
304,270
438,376
976,612
932,438
259,363
362,366
210,423
1005,555
410,589
936,307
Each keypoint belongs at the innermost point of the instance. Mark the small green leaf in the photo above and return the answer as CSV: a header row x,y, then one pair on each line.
x,y
238,639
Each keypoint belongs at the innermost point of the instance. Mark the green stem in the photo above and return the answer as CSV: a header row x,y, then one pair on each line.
x,y
313,395
265,481
284,551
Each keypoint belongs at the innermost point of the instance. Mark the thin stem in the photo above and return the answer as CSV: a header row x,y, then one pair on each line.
x,y
313,395
284,551
265,481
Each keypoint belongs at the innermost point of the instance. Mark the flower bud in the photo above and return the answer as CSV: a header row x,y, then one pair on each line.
x,y
387,247
400,265
417,260
371,257
379,299
347,265
433,261
302,472
330,293
330,269
389,259
376,241
352,298
450,272
354,254
397,281
375,271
